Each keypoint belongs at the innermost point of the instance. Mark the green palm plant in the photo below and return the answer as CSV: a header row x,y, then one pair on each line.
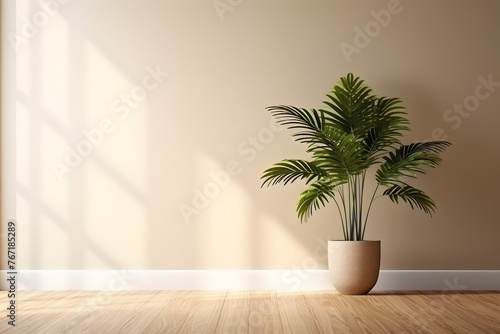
x,y
355,131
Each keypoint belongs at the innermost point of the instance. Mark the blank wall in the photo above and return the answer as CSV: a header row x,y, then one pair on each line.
x,y
140,131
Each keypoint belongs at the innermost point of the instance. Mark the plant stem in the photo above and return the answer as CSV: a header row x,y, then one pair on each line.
x,y
369,207
362,191
341,217
351,213
356,189
342,196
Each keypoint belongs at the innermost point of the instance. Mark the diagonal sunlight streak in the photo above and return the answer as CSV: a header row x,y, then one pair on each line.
x,y
60,222
67,83
42,114
119,179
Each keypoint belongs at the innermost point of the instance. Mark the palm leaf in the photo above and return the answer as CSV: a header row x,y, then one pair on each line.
x,y
339,153
309,122
408,160
290,170
349,101
414,197
313,198
387,124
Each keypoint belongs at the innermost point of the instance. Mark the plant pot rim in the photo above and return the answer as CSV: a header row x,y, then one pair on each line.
x,y
355,240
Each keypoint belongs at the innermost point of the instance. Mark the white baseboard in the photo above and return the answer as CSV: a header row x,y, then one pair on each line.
x,y
281,280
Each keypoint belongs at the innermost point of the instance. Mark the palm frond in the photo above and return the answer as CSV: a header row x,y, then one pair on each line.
x,y
387,123
313,198
408,160
339,153
414,197
309,122
290,170
348,103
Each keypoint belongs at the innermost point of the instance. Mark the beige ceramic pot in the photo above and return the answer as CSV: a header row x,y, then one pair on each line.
x,y
354,265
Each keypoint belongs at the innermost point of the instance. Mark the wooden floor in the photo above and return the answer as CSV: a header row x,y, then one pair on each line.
x,y
237,312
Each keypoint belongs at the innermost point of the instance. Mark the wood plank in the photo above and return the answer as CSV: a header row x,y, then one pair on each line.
x,y
328,317
110,314
265,315
235,313
39,310
398,309
174,313
144,315
453,312
487,298
385,319
255,312
205,312
296,316
94,312
249,312
357,318
23,306
435,315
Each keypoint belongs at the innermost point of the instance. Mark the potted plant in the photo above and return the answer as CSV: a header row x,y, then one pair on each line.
x,y
356,130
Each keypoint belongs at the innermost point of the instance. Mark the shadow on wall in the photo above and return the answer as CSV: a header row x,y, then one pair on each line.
x,y
142,131
120,121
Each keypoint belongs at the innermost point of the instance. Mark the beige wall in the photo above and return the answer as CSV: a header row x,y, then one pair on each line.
x,y
163,138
